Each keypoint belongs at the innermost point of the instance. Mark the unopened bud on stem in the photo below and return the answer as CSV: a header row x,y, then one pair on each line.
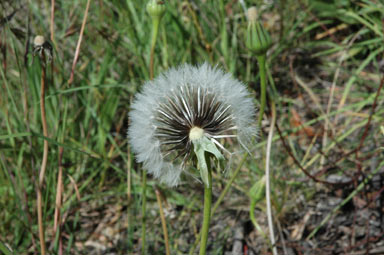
x,y
156,8
257,38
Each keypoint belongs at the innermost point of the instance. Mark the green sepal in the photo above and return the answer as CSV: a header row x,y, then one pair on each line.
x,y
202,147
156,9
257,38
257,192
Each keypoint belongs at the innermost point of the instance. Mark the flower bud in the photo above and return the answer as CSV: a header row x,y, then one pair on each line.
x,y
257,192
39,41
257,38
156,8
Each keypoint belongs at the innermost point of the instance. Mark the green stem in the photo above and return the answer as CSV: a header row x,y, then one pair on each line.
x,y
143,211
207,213
263,84
5,249
254,221
221,197
155,30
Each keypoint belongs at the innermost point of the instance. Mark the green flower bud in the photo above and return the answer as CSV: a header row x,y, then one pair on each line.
x,y
156,8
257,192
257,38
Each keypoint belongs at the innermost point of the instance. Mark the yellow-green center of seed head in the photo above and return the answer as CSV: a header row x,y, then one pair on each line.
x,y
196,133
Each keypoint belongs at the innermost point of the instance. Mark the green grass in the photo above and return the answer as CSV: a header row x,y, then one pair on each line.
x,y
89,118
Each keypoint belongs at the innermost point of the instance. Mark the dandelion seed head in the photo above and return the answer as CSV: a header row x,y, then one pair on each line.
x,y
184,104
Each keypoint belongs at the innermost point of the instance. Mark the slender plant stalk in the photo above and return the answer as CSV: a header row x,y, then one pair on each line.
x,y
129,196
255,224
52,25
261,59
221,197
263,98
155,30
263,84
224,34
267,183
59,195
45,156
129,176
77,52
163,222
59,191
143,211
207,213
40,221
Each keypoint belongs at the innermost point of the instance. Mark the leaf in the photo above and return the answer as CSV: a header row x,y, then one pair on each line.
x,y
200,147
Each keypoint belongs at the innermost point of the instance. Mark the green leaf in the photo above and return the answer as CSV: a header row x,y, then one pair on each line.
x,y
200,147
4,249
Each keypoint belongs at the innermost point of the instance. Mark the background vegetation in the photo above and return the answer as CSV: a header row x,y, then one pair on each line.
x,y
326,71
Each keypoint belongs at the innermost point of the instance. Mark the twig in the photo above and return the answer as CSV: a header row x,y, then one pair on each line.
x,y
163,222
79,43
267,183
366,129
298,163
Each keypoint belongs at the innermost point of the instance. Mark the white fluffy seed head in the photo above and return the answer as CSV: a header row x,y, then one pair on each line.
x,y
183,104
